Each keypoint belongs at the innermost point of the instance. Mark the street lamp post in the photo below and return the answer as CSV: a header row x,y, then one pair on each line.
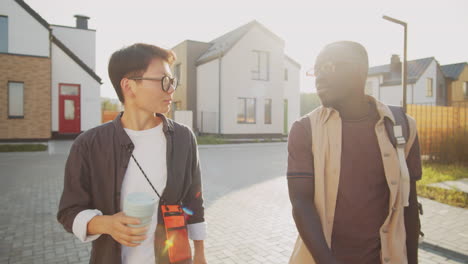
x,y
221,50
404,76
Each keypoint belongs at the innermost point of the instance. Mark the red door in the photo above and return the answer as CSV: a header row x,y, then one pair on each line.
x,y
69,108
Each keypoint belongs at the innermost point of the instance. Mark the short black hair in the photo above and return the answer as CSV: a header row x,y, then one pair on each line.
x,y
351,50
134,60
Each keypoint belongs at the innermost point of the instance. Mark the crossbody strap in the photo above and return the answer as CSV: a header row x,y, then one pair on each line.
x,y
146,177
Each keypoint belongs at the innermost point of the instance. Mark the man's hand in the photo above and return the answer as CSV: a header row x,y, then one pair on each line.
x,y
199,252
116,226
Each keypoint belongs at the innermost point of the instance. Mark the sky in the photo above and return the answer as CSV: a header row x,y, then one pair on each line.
x,y
435,28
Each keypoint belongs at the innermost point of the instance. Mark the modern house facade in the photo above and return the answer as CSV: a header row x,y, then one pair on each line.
x,y
457,83
239,84
426,82
48,86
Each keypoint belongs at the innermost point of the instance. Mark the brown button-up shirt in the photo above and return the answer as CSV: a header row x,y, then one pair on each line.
x,y
94,174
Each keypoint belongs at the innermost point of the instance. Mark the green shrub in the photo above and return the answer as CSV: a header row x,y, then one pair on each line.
x,y
450,197
433,173
210,140
22,147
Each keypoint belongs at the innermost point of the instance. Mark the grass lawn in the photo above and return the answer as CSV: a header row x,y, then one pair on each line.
x,y
22,147
433,173
214,140
210,140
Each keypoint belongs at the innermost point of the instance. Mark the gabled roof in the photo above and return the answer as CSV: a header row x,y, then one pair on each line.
x,y
33,13
70,53
453,71
415,69
225,42
75,58
292,61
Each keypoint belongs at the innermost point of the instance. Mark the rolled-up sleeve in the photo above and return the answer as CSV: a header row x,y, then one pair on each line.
x,y
197,231
80,225
300,157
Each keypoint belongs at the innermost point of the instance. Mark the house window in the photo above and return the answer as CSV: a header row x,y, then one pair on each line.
x,y
177,72
267,111
15,100
285,74
369,89
261,61
465,90
246,110
429,89
3,33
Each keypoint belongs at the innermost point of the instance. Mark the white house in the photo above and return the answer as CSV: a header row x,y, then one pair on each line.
x,y
48,87
426,82
245,84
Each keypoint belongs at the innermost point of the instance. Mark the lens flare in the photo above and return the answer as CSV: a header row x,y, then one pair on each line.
x,y
169,243
187,211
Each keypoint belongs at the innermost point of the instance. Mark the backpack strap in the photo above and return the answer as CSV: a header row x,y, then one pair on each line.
x,y
399,137
401,120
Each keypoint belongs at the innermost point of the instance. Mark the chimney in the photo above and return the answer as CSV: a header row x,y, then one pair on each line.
x,y
395,64
81,21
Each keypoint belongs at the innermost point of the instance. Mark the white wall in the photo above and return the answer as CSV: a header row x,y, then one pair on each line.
x,y
81,41
416,93
66,70
26,35
184,117
208,96
374,82
391,95
292,92
420,86
237,82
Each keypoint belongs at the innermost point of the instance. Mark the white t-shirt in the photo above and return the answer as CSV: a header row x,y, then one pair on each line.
x,y
150,152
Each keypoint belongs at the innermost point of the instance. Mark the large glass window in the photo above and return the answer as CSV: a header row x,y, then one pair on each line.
x,y
267,111
177,72
246,110
3,33
15,100
260,69
465,90
429,89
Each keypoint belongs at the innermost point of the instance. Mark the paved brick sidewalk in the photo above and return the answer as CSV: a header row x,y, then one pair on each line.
x,y
247,209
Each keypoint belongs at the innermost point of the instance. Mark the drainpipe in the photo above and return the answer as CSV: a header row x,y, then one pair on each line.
x,y
221,54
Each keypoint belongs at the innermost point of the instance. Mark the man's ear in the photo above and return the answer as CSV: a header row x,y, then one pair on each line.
x,y
127,87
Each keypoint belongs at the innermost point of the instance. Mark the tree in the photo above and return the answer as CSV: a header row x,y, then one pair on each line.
x,y
108,104
309,101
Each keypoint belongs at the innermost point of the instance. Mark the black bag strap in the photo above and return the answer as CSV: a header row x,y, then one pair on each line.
x,y
400,120
146,177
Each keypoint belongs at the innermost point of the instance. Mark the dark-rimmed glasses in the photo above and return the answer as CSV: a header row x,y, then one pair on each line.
x,y
166,81
331,67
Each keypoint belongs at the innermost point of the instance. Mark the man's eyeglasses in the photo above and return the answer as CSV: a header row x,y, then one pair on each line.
x,y
166,82
330,67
